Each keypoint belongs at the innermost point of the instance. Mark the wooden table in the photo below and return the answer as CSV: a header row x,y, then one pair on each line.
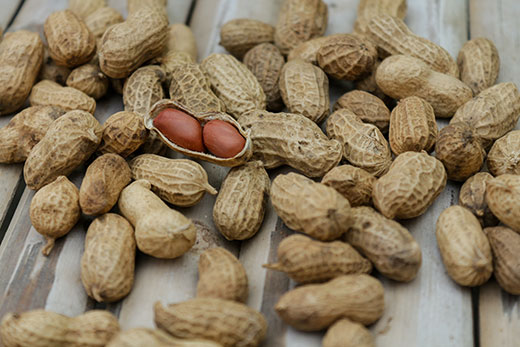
x,y
430,311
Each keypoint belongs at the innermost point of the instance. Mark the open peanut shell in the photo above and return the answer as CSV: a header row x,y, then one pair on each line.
x,y
243,156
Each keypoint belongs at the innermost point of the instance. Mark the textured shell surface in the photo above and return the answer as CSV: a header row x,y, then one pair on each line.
x,y
181,39
240,35
368,107
345,333
171,60
504,156
138,337
503,199
308,50
368,9
52,94
89,79
158,6
101,19
123,133
143,89
84,8
473,197
505,244
353,183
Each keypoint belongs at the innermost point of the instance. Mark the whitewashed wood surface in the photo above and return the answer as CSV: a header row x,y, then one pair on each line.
x,y
429,311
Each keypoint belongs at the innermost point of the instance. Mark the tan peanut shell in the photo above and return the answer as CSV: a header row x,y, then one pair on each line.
x,y
39,328
225,322
411,185
310,207
369,108
368,9
400,76
83,8
221,276
292,139
392,36
239,209
139,337
492,113
158,6
180,182
51,71
307,261
504,156
314,307
345,333
503,199
308,50
24,131
505,244
299,21
364,145
347,57
70,41
234,84
240,35
123,133
353,183
21,57
143,89
171,60
69,141
104,180
473,197
181,39
101,19
479,64
459,148
52,94
305,90
464,247
55,210
266,62
159,230
107,265
89,79
386,243
126,46
412,126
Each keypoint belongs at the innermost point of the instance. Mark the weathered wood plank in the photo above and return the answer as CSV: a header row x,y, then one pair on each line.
x,y
9,8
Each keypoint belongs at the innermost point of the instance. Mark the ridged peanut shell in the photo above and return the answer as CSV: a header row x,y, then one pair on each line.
x,y
345,333
84,8
368,9
505,245
503,199
171,60
89,79
479,64
158,6
368,107
473,197
139,337
181,39
240,35
308,50
225,322
101,19
504,156
52,94
143,89
353,183
123,133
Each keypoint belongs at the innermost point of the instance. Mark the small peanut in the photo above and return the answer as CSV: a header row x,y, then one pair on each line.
x,y
503,199
143,88
369,108
222,139
368,9
123,133
353,183
479,64
473,197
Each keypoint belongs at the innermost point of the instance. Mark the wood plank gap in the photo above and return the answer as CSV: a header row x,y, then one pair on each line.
x,y
190,12
13,205
475,295
22,2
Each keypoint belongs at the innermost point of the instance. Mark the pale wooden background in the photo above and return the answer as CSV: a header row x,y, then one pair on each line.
x,y
430,311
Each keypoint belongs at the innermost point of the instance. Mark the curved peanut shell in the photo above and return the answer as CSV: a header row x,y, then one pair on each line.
x,y
89,79
52,94
240,35
345,333
107,265
143,89
369,108
368,9
504,156
353,183
101,19
505,244
503,199
139,337
473,197
123,133
479,64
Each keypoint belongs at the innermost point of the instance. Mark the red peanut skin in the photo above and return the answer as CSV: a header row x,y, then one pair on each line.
x,y
180,128
222,139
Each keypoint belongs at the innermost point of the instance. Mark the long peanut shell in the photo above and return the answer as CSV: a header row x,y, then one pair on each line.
x,y
503,199
143,89
479,64
240,35
505,244
52,94
123,133
368,9
369,108
89,79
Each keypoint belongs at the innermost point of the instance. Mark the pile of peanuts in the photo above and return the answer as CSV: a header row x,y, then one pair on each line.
x,y
372,164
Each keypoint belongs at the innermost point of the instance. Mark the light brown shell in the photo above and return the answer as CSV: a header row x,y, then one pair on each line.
x,y
21,57
69,141
413,182
347,57
181,39
101,19
83,8
299,21
400,76
90,80
51,71
52,94
369,108
123,133
308,50
305,90
234,84
55,210
310,207
464,248
368,9
70,41
239,209
240,35
314,307
473,197
126,46
226,322
139,337
479,64
392,36
503,199
158,6
24,131
292,139
104,180
504,156
221,276
159,230
171,60
107,265
307,261
44,328
180,182
143,89
364,145
386,243
505,244
345,333
354,183
266,62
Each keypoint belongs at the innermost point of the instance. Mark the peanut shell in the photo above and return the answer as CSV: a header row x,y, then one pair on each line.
x,y
52,94
143,89
101,19
158,6
171,60
479,64
503,199
123,133
89,79
139,337
181,39
308,50
473,197
369,108
345,333
504,156
353,183
240,35
84,8
368,9
505,244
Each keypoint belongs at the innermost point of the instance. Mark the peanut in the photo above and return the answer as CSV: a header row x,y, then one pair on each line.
x,y
51,71
464,248
222,139
89,79
107,265
172,60
368,9
139,337
69,141
240,35
123,133
292,139
55,210
411,185
305,90
180,128
363,144
158,6
353,183
503,199
52,94
239,209
369,108
181,39
221,276
504,156
308,50
159,231
505,244
180,182
479,64
225,322
307,261
101,19
345,333
314,307
473,197
83,8
143,89
293,197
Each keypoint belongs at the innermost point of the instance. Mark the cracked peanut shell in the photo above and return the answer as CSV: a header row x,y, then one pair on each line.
x,y
353,183
505,245
503,199
240,35
504,156
368,107
473,197
479,64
